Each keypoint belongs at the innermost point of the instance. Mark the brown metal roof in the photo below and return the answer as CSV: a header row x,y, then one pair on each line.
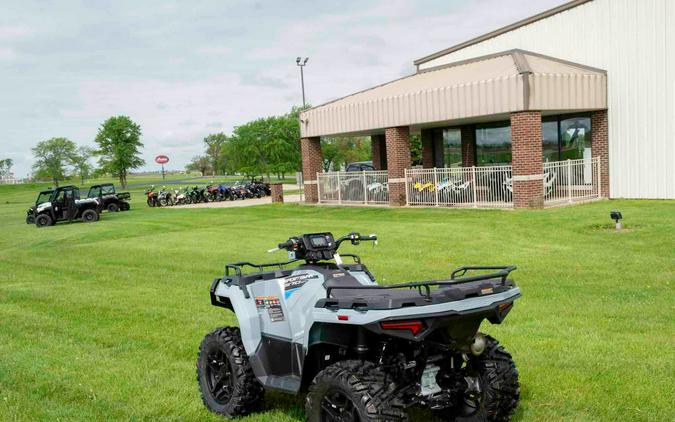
x,y
516,25
504,82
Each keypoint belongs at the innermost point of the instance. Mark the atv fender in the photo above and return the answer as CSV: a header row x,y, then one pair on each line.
x,y
232,297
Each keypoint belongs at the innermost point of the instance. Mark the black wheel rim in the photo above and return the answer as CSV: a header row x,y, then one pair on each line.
x,y
219,376
337,407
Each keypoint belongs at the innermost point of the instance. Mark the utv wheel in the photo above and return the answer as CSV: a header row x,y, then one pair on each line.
x,y
89,216
43,220
125,206
228,386
356,391
112,207
30,219
497,376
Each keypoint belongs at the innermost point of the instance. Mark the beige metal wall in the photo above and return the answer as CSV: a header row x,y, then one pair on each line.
x,y
482,98
634,40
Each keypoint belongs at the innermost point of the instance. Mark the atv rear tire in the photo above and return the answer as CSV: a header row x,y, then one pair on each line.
x,y
228,386
353,390
112,207
498,379
43,220
89,216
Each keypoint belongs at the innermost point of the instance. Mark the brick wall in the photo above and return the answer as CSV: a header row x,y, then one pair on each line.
x,y
468,133
428,153
526,148
600,147
398,159
312,163
378,151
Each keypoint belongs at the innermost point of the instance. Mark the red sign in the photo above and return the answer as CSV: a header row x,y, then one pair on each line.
x,y
161,159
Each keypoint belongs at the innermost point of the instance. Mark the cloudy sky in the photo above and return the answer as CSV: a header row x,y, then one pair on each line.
x,y
183,70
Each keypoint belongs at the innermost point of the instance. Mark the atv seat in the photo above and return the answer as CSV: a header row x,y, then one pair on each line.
x,y
343,296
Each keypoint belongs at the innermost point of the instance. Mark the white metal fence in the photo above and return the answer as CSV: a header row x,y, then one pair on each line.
x,y
478,187
484,187
353,188
571,181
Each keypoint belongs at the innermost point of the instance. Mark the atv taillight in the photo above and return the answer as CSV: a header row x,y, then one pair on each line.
x,y
413,326
505,306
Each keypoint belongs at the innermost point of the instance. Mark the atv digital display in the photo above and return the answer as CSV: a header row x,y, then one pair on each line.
x,y
318,241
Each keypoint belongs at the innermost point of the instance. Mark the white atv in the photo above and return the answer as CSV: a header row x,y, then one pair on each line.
x,y
362,351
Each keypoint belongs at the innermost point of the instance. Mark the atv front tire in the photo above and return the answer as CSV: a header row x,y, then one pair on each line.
x,y
228,386
353,390
43,220
498,380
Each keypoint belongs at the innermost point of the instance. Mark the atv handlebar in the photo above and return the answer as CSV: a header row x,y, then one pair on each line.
x,y
355,238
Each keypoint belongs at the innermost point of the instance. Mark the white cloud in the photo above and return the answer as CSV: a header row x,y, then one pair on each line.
x,y
7,54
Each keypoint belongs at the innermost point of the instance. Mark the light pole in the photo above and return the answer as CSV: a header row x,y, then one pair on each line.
x,y
300,62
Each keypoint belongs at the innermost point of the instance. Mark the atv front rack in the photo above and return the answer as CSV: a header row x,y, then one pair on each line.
x,y
237,267
502,273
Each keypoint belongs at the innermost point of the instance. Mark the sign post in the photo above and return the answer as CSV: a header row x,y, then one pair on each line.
x,y
162,159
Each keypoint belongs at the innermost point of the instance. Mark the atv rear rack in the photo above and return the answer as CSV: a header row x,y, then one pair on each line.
x,y
502,273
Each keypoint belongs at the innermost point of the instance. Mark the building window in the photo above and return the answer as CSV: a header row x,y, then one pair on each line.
x,y
493,144
452,147
566,137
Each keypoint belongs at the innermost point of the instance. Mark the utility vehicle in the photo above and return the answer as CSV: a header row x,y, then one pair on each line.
x,y
62,203
361,351
110,200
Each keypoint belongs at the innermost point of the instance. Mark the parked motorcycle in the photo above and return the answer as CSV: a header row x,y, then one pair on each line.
x,y
165,197
212,193
152,197
180,197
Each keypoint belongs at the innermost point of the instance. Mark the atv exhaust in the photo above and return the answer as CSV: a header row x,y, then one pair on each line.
x,y
478,345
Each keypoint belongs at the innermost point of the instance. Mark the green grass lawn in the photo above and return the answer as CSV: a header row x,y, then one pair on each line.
x,y
103,321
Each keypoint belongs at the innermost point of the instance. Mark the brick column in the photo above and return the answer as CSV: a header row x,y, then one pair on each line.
x,y
398,159
312,163
526,148
277,192
468,133
600,147
378,151
427,136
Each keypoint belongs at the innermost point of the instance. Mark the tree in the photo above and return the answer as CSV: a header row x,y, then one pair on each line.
x,y
119,142
83,167
215,144
266,145
52,157
338,152
415,150
199,163
6,167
